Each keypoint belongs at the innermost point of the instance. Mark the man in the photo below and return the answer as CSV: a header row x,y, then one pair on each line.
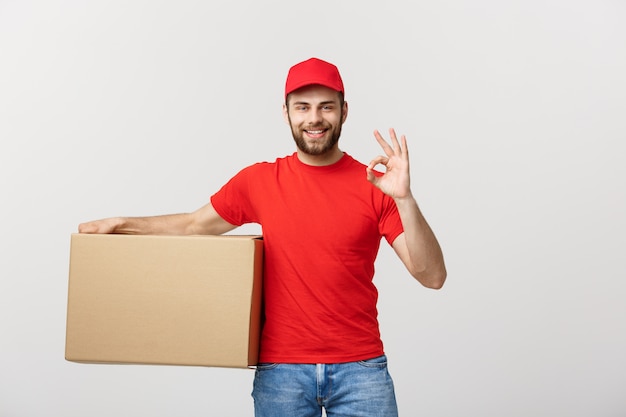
x,y
323,215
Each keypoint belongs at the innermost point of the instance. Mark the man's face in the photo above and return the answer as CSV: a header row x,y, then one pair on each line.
x,y
315,115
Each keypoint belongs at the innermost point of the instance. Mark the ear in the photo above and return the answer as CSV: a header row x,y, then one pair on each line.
x,y
285,113
345,112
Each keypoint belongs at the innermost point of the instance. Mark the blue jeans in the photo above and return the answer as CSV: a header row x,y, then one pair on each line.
x,y
353,389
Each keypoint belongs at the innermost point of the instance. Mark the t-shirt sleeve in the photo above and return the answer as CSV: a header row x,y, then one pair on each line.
x,y
233,202
390,222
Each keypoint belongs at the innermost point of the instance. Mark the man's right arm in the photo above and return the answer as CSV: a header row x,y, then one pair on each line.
x,y
204,221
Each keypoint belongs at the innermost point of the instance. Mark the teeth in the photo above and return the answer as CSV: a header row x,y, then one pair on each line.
x,y
315,132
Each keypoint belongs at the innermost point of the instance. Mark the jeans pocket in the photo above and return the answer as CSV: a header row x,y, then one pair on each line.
x,y
378,362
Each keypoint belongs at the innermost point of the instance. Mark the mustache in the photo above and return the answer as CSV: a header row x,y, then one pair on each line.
x,y
317,126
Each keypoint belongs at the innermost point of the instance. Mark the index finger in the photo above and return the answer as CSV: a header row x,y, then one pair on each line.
x,y
383,143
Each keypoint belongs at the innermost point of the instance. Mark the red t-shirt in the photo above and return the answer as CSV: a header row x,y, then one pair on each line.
x,y
321,228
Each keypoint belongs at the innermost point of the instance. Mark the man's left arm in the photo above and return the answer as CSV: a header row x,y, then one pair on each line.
x,y
417,246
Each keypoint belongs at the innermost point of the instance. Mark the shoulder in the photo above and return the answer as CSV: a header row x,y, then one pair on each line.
x,y
358,168
261,165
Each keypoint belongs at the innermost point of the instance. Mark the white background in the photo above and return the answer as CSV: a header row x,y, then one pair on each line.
x,y
515,113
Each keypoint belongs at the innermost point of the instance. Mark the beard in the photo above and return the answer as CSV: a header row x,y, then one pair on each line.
x,y
319,147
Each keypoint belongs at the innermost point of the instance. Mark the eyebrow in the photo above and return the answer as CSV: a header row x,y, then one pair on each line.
x,y
322,103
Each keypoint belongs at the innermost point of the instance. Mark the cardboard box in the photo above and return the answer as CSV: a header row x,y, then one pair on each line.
x,y
165,300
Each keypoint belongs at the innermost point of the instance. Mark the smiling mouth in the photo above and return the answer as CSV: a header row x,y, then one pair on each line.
x,y
315,133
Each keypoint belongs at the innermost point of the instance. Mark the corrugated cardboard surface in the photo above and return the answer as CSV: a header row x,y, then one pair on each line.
x,y
167,300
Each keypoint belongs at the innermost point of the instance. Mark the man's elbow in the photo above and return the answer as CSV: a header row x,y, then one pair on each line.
x,y
433,279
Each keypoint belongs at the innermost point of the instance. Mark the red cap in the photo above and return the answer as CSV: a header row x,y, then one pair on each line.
x,y
313,71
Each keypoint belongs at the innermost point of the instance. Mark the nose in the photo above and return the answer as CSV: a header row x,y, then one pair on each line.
x,y
314,116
